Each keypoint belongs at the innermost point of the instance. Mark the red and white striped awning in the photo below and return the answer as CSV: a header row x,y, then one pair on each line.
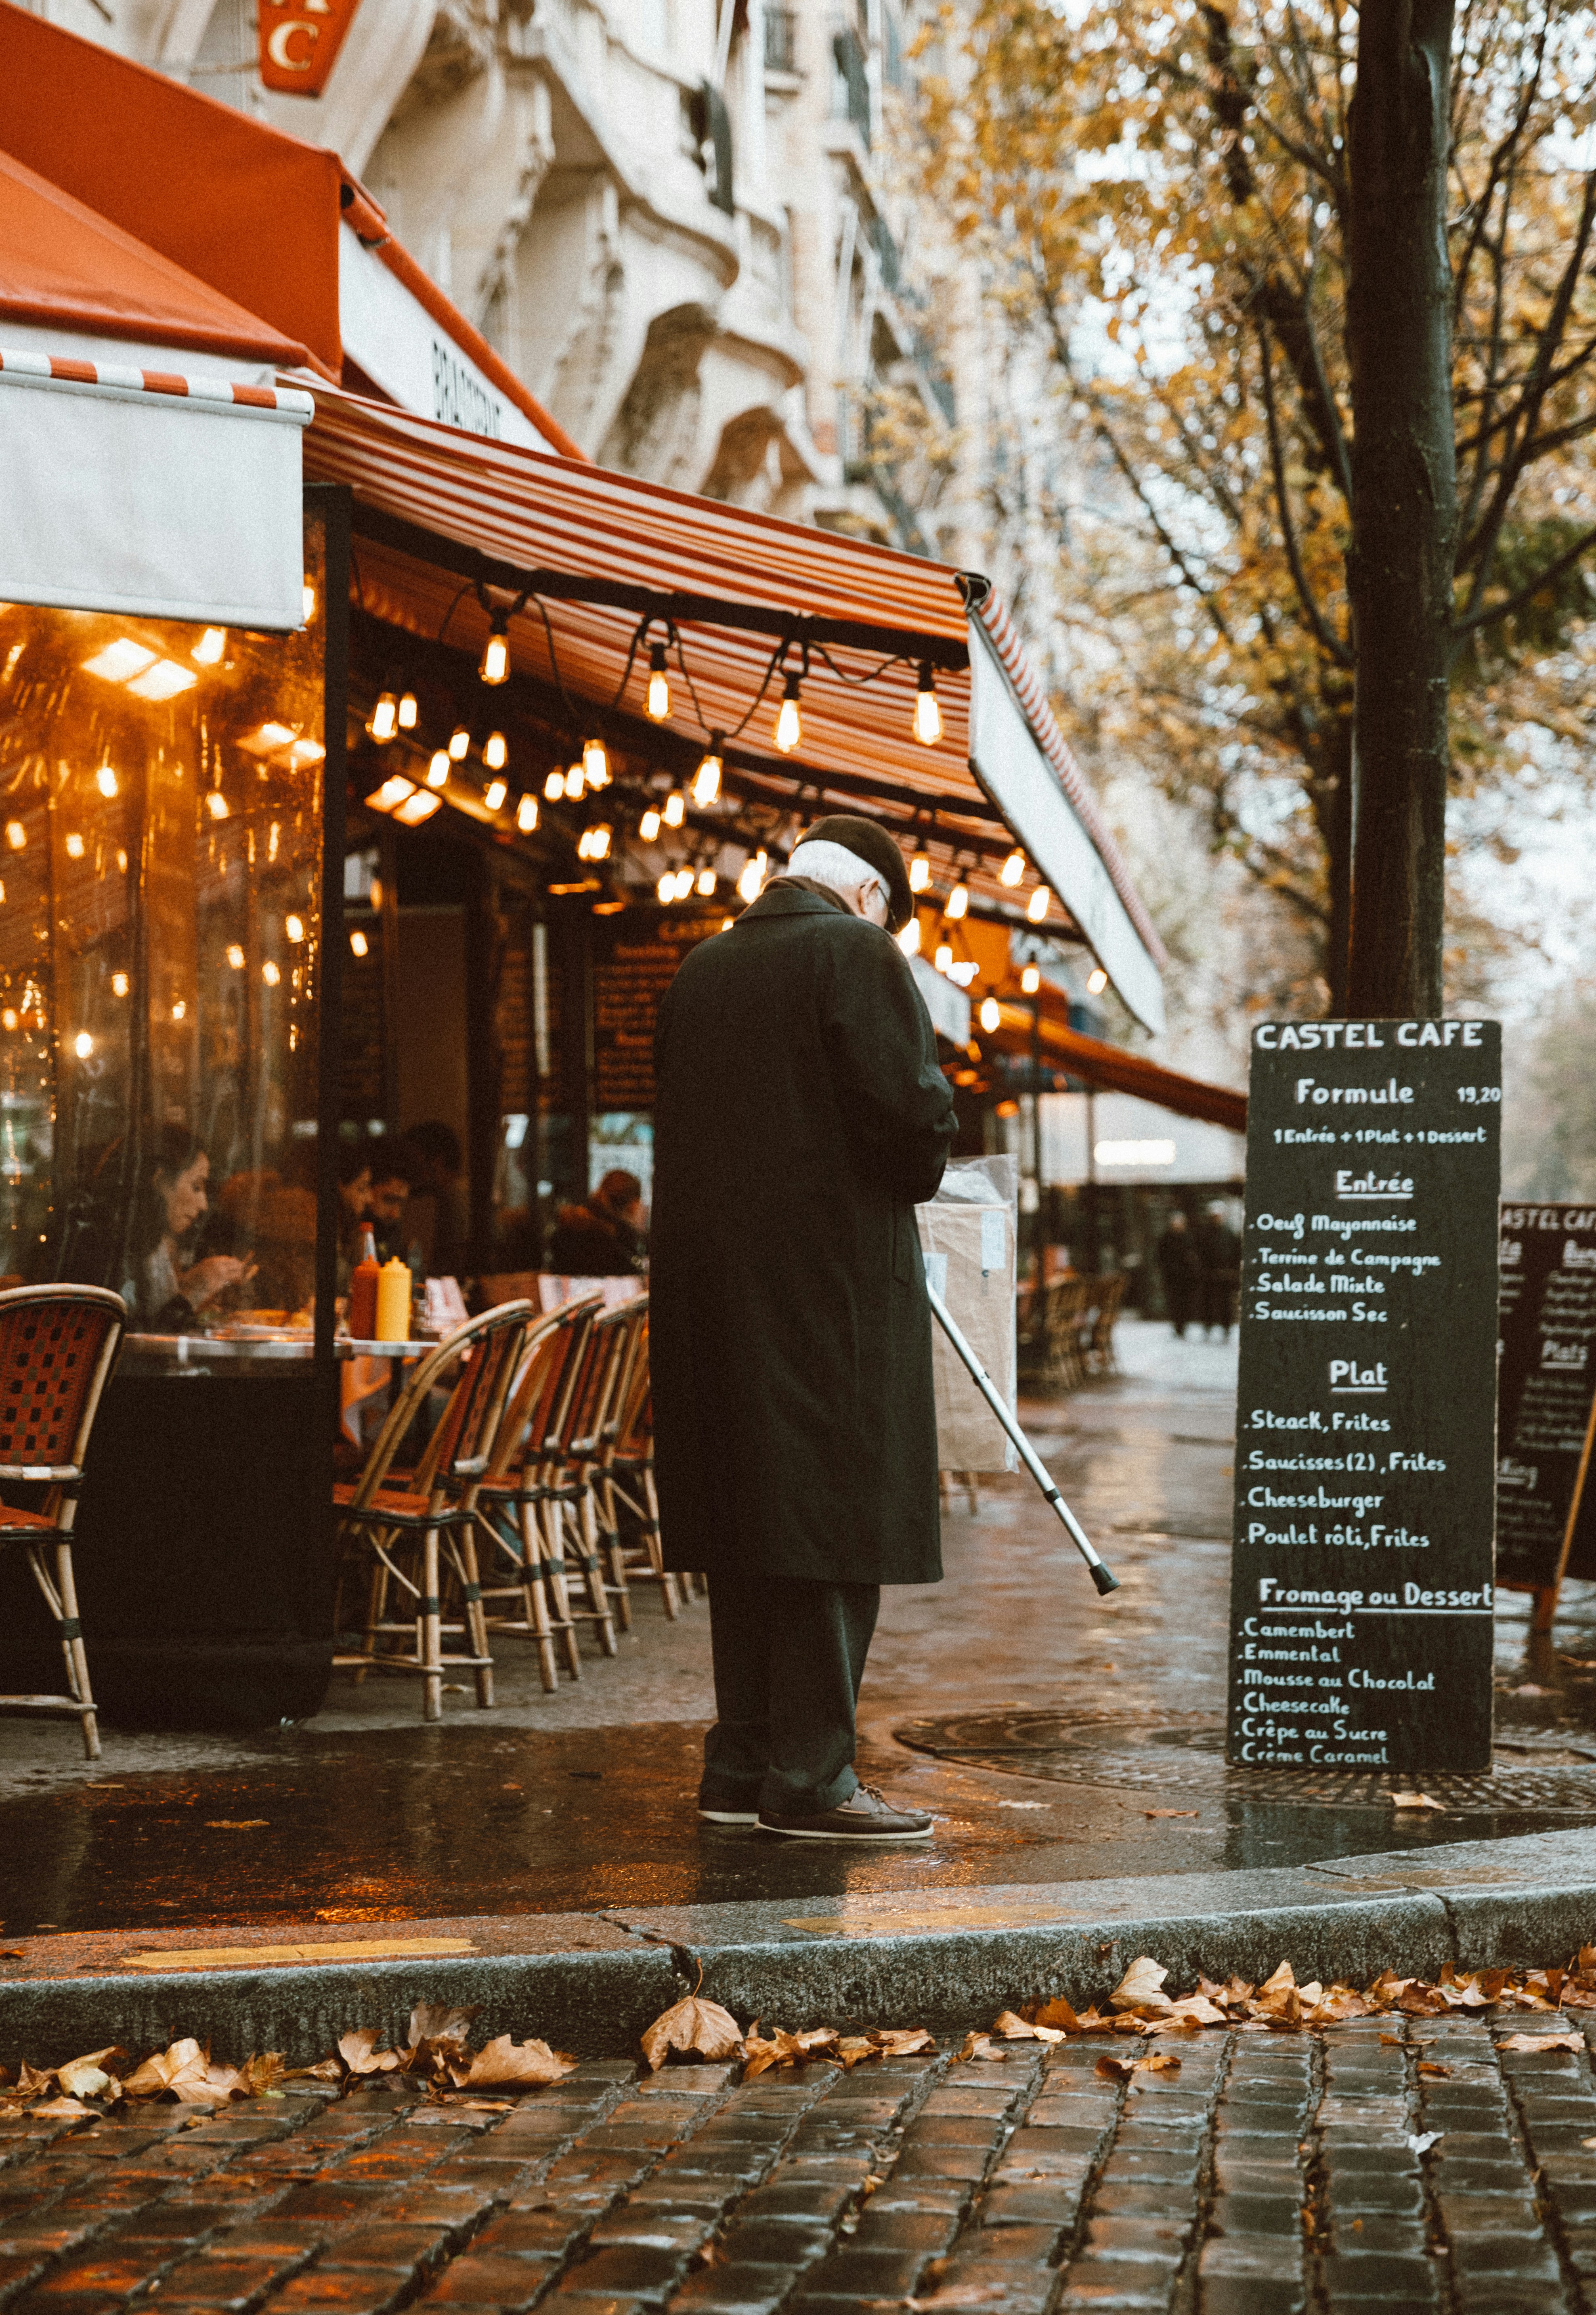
x,y
440,514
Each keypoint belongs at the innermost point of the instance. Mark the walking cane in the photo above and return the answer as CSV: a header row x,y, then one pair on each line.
x,y
1103,1576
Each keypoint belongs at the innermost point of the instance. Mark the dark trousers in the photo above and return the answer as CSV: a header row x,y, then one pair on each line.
x,y
788,1659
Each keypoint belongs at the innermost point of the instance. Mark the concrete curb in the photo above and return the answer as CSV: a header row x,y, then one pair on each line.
x,y
590,1984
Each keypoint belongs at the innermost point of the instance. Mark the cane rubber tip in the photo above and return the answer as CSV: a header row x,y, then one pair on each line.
x,y
1104,1578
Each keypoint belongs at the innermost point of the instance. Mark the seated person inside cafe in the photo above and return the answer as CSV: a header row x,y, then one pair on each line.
x,y
166,1289
605,1236
800,1115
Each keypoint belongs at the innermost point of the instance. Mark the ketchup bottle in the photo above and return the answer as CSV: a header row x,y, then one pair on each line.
x,y
362,1293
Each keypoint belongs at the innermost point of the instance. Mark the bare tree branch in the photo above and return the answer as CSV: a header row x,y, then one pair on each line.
x,y
1326,640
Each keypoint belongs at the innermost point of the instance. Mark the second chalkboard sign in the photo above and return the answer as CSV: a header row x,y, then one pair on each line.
x,y
1546,1396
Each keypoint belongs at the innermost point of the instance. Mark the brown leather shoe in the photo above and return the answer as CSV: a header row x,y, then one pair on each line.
x,y
865,1815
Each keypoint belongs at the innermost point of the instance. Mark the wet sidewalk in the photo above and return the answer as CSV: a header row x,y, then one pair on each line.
x,y
1058,1737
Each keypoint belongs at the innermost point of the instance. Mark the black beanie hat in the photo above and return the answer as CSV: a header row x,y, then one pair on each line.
x,y
868,840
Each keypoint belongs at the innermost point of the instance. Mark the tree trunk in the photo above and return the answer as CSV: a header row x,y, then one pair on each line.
x,y
1404,501
1331,798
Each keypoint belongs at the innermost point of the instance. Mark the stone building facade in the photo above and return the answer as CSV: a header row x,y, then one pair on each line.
x,y
667,216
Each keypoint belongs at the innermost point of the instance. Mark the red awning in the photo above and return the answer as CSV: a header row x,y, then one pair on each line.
x,y
63,266
1114,1069
438,511
254,212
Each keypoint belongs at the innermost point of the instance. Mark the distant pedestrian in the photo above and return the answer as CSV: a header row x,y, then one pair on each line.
x,y
1180,1271
802,1113
1218,1251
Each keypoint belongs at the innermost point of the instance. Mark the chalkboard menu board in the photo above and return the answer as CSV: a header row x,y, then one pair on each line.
x,y
1362,1585
634,963
1544,1391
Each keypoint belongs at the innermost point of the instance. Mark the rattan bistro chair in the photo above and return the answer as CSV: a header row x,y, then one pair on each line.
x,y
624,1481
390,1514
58,1345
529,1487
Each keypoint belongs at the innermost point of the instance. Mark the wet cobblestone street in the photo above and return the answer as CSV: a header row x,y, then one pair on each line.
x,y
1409,2163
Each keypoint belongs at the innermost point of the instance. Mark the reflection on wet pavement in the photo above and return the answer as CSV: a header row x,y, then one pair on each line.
x,y
585,1802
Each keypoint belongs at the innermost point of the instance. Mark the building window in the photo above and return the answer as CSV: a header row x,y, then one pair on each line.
x,y
781,38
851,85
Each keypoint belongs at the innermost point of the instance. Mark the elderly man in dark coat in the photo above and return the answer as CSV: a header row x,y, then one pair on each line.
x,y
799,1115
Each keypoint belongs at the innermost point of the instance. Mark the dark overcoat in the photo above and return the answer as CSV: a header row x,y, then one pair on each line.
x,y
800,1115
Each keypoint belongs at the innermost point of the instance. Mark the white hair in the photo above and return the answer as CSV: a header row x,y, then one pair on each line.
x,y
834,865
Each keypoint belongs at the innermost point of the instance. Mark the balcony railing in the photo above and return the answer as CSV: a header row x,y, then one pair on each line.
x,y
852,84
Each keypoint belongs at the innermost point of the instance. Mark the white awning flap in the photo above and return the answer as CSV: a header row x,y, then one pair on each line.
x,y
1010,764
125,490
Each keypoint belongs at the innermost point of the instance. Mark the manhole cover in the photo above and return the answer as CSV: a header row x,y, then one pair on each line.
x,y
1186,1751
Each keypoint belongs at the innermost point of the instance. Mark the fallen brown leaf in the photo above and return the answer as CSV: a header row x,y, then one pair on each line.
x,y
981,2047
1416,1801
92,2077
1433,2066
697,2028
184,2072
1057,2012
1541,2042
1172,1812
1113,2068
904,2040
65,2109
1393,2042
505,2062
1140,1992
361,2055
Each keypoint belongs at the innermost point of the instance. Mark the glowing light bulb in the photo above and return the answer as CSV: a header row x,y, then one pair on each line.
x,y
676,809
1031,980
358,944
648,826
16,835
210,646
944,956
494,793
459,743
180,1010
1097,981
958,901
374,893
105,780
595,764
928,713
707,781
295,928
118,984
74,846
575,783
684,883
235,956
908,939
407,710
385,719
8,1019
751,880
1036,908
495,753
308,601
82,1044
1013,868
527,814
706,882
599,840
666,887
270,974
553,787
437,770
494,667
789,721
216,805
659,691
919,872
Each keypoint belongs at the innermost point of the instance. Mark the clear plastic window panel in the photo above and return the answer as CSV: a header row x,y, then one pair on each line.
x,y
160,945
